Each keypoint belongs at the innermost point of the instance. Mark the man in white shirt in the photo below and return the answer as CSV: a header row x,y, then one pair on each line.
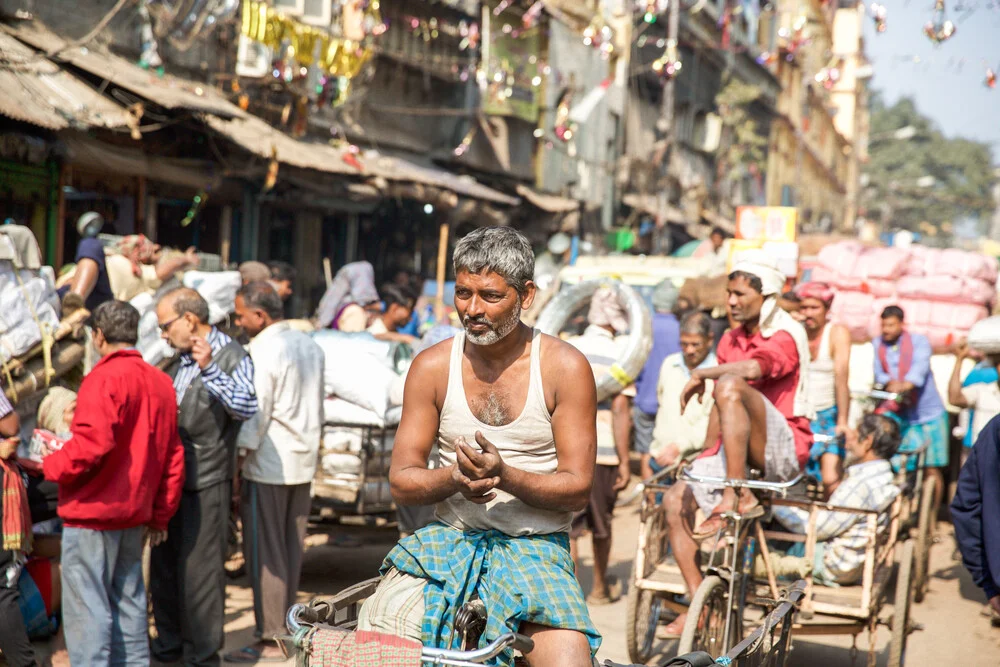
x,y
981,397
680,434
280,460
606,318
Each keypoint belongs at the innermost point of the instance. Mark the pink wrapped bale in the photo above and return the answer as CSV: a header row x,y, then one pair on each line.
x,y
959,263
946,288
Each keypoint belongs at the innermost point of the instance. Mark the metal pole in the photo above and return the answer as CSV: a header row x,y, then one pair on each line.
x,y
667,106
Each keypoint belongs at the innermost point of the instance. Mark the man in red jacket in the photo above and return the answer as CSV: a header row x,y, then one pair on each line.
x,y
119,476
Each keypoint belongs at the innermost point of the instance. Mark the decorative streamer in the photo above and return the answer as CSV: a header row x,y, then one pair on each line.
x,y
939,29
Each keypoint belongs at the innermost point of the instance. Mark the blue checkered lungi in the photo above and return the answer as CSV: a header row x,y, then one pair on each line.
x,y
520,579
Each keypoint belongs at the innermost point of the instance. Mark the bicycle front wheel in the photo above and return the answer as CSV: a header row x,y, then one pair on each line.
x,y
705,628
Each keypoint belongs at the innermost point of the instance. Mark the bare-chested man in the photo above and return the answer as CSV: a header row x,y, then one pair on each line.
x,y
512,414
829,393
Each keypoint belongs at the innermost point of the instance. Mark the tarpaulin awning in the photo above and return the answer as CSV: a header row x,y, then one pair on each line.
x,y
35,90
548,203
89,153
167,91
262,140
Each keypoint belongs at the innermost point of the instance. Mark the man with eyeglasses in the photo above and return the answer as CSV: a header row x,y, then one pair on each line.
x,y
213,379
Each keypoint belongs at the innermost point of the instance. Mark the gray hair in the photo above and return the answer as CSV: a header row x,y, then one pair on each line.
x,y
187,300
261,295
502,250
118,321
697,323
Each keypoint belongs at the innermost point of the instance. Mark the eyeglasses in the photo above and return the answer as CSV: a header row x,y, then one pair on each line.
x,y
166,325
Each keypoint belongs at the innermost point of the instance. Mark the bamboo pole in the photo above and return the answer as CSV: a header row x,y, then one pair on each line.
x,y
64,358
68,326
442,257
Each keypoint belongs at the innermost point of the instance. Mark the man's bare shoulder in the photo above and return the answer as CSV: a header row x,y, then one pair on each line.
x,y
434,360
563,361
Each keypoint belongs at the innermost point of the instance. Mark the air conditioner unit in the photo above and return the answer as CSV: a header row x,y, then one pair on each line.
x,y
253,59
316,12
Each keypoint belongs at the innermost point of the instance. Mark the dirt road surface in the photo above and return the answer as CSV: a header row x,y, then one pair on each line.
x,y
953,634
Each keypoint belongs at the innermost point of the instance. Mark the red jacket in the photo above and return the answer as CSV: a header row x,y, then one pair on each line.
x,y
124,465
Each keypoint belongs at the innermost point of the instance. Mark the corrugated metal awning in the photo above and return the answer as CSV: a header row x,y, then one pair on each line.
x,y
262,140
548,203
167,91
398,169
35,90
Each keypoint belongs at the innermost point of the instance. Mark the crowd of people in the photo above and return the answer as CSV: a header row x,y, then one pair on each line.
x,y
501,432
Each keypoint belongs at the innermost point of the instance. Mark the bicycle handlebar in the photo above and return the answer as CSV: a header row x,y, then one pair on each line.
x,y
508,640
877,394
780,488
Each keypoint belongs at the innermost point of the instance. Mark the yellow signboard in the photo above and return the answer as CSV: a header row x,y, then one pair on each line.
x,y
767,223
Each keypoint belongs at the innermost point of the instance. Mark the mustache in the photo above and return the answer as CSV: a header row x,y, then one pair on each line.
x,y
479,319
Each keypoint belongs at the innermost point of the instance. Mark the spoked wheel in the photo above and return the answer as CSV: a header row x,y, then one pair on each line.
x,y
925,538
705,628
643,607
901,610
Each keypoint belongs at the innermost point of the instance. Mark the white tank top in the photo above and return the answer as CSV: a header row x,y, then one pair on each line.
x,y
526,443
821,382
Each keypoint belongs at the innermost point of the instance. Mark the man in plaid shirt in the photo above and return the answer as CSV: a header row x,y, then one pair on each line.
x,y
842,536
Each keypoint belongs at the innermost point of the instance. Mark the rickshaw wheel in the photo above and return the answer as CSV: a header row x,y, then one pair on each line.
x,y
705,627
925,537
901,607
642,606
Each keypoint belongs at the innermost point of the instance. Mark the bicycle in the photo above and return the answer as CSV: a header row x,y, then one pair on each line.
x,y
715,618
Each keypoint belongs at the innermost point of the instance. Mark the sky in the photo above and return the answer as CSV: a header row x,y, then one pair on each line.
x,y
948,81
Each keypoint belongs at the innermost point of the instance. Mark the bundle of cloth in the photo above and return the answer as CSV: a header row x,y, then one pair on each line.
x,y
942,292
29,305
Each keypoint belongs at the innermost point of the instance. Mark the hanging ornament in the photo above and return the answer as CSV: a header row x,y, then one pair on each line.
x,y
668,65
939,28
530,18
991,78
350,157
879,14
563,127
599,35
829,75
196,204
149,57
791,41
463,147
652,10
767,58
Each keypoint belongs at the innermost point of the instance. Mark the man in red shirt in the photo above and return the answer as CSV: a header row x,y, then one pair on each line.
x,y
119,476
761,414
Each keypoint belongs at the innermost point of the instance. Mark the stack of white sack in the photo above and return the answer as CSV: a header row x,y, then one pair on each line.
x,y
219,288
28,299
942,292
361,375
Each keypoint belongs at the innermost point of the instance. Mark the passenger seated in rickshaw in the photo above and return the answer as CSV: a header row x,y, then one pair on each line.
x,y
761,415
513,414
842,537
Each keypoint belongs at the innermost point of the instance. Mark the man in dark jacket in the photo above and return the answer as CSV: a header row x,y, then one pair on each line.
x,y
213,381
119,475
974,513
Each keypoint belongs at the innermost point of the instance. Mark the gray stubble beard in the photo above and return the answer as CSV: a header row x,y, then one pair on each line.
x,y
499,331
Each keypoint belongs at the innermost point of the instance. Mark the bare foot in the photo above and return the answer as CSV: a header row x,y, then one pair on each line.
x,y
675,627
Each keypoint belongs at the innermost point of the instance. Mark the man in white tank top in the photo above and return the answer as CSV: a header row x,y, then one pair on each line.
x,y
830,349
513,416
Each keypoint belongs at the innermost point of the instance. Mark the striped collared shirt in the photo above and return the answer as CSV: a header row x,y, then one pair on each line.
x,y
235,392
5,406
865,486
